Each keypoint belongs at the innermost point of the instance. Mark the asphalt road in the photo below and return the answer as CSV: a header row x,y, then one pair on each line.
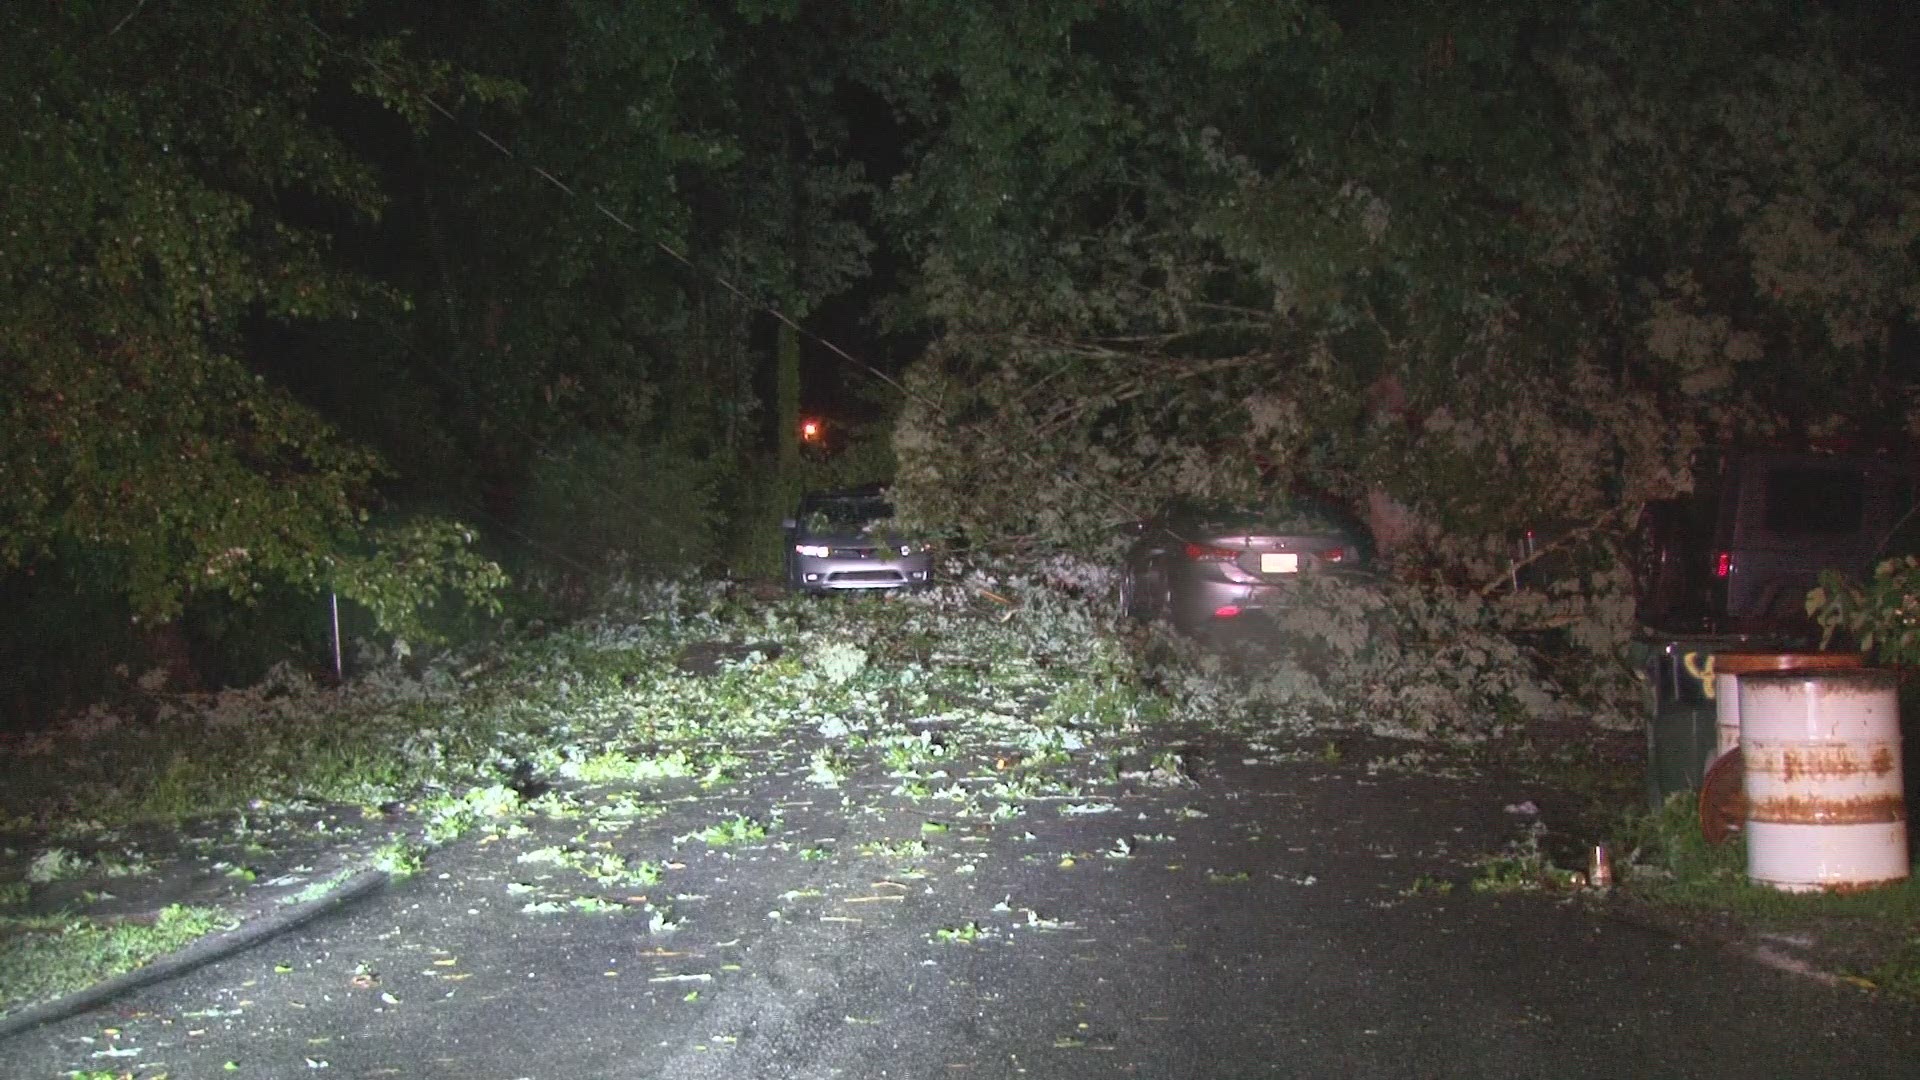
x,y
1260,923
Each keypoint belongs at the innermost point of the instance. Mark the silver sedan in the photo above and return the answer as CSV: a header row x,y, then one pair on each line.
x,y
1203,567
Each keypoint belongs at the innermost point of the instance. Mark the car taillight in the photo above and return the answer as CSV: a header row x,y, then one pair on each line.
x,y
1226,611
1333,554
1723,564
1208,553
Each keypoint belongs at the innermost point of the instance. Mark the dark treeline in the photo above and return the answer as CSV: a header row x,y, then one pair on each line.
x,y
295,302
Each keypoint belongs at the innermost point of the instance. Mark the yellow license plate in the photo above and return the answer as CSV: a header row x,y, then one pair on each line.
x,y
1279,562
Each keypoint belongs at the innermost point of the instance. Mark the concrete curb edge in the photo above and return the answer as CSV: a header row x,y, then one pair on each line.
x,y
208,949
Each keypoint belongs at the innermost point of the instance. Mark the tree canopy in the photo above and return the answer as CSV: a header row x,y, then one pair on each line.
x,y
165,198
1492,264
323,293
308,293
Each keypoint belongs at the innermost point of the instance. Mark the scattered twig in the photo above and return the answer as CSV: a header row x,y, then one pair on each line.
x,y
127,18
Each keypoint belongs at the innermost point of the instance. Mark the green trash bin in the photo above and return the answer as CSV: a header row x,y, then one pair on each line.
x,y
1682,722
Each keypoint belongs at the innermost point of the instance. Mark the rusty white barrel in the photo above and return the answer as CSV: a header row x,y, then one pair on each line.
x,y
1729,666
1825,805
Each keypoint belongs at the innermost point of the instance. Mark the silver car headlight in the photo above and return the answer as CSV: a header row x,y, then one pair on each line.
x,y
811,551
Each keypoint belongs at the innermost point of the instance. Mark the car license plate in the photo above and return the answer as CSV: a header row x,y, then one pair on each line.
x,y
1279,562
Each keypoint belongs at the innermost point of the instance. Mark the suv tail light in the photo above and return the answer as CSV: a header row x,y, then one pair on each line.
x,y
1723,564
1333,555
1208,553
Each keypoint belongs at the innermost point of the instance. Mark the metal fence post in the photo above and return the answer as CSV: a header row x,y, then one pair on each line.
x,y
333,600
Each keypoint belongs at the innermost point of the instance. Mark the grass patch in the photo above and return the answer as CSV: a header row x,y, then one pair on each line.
x,y
41,959
1899,973
1671,864
1669,861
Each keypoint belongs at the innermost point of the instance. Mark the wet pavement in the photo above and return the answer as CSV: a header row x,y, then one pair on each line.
x,y
1277,915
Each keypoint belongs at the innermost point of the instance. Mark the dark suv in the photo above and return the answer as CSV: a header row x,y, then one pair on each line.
x,y
1739,555
841,540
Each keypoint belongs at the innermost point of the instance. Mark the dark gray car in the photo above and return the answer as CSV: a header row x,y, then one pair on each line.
x,y
841,540
1203,566
1739,555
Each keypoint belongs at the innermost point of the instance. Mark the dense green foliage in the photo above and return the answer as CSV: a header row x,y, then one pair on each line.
x,y
164,199
1882,614
1484,267
293,290
273,291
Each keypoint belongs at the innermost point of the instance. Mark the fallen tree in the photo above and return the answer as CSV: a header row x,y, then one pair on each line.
x,y
1482,270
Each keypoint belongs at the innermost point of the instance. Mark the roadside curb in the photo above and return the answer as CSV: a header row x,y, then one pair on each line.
x,y
355,886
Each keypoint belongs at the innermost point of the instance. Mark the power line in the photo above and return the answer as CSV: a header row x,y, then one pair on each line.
x,y
680,257
752,301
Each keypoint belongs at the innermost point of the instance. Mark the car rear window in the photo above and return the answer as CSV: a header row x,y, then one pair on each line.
x,y
1814,501
1300,516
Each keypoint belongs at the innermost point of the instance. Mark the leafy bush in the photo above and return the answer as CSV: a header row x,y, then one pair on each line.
x,y
1883,614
